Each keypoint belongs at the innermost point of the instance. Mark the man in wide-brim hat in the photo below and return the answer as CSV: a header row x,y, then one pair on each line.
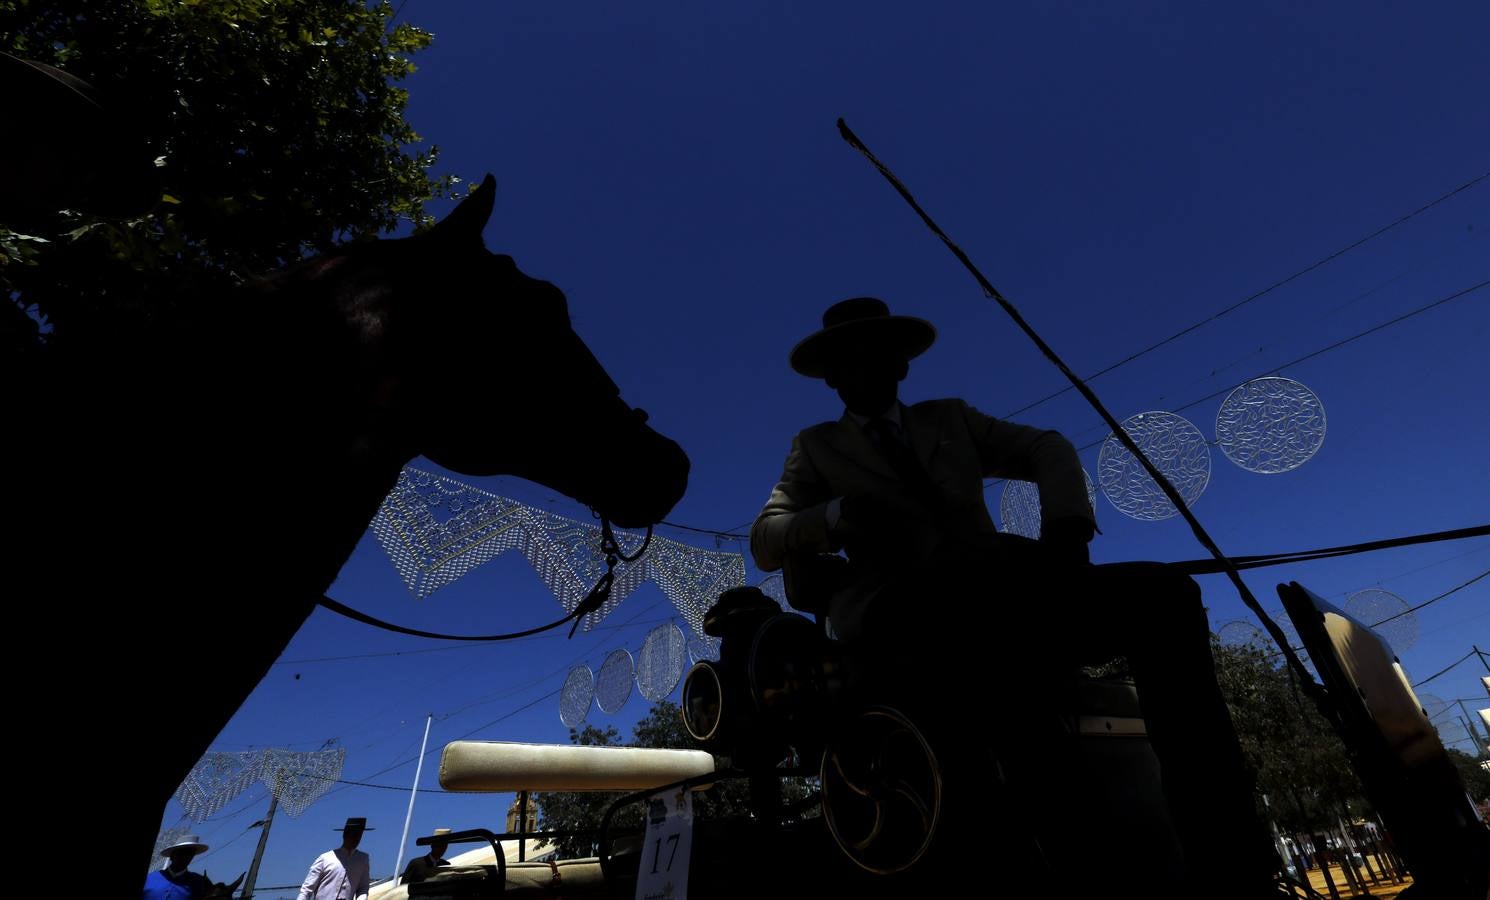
x,y
900,489
343,873
898,478
174,882
419,868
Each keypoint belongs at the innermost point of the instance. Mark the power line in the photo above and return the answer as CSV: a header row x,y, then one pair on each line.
x,y
507,715
550,636
1267,290
1335,346
1444,669
397,12
1440,562
709,531
1434,600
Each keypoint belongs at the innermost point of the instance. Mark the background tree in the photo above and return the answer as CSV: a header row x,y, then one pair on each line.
x,y
662,727
276,130
1301,764
1476,779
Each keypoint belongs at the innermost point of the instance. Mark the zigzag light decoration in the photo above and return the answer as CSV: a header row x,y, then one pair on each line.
x,y
436,530
297,779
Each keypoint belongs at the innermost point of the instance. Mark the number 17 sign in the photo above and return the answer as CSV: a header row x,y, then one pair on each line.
x,y
663,874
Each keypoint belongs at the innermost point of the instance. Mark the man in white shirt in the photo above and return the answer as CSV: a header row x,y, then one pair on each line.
x,y
340,874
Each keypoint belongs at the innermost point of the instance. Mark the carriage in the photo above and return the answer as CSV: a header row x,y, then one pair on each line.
x,y
904,804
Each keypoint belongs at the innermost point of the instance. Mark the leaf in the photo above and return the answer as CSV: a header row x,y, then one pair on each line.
x,y
167,198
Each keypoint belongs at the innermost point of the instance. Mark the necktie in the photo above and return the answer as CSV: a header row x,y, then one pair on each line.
x,y
890,441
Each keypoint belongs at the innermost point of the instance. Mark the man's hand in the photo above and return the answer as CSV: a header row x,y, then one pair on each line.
x,y
1064,540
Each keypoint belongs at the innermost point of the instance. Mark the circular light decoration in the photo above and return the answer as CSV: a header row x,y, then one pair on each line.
x,y
1019,506
700,649
1450,729
1270,425
613,684
1373,605
574,699
659,666
1178,451
1239,633
1290,633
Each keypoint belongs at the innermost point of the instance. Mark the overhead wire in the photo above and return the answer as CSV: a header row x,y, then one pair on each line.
x,y
1434,600
1251,297
1444,670
1308,356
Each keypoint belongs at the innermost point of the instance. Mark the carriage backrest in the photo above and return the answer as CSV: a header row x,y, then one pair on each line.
x,y
1407,775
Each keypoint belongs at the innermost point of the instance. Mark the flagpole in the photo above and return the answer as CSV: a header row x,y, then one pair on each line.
x,y
413,792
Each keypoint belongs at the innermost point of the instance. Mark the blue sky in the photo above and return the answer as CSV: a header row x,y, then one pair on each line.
x,y
1119,171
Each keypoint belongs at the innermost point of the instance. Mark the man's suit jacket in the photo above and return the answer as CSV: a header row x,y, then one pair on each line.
x,y
956,445
419,868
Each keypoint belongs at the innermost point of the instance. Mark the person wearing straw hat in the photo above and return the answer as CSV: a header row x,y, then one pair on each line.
x,y
343,873
931,581
174,882
420,868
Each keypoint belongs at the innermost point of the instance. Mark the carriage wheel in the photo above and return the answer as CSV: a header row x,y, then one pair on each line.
x,y
881,791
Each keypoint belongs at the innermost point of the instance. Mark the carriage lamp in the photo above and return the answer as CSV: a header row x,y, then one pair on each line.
x,y
772,686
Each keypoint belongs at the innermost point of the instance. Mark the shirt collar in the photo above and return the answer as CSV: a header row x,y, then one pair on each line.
x,y
892,414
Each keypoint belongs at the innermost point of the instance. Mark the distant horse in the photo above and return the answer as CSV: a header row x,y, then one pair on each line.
x,y
183,487
220,890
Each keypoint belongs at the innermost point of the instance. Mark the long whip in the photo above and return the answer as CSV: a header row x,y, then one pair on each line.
x,y
1227,565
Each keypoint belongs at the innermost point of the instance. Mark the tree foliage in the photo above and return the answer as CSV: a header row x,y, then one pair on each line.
x,y
662,727
276,130
1301,764
1476,779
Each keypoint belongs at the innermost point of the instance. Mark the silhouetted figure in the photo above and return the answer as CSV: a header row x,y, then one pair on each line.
x,y
420,867
900,489
175,882
176,436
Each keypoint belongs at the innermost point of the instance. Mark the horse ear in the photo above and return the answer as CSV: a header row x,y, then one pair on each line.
x,y
237,881
468,219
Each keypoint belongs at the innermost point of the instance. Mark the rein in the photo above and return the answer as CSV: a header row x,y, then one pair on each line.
x,y
593,600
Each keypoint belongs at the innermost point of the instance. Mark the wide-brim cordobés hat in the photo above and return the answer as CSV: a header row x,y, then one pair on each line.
x,y
355,824
187,842
861,326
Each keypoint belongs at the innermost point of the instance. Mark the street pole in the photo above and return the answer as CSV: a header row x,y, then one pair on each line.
x,y
1479,742
413,793
253,870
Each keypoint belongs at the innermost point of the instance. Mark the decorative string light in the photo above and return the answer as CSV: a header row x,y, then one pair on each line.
x,y
574,699
437,530
1270,425
295,779
613,684
1238,633
1019,506
299,779
1374,605
1177,449
659,665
